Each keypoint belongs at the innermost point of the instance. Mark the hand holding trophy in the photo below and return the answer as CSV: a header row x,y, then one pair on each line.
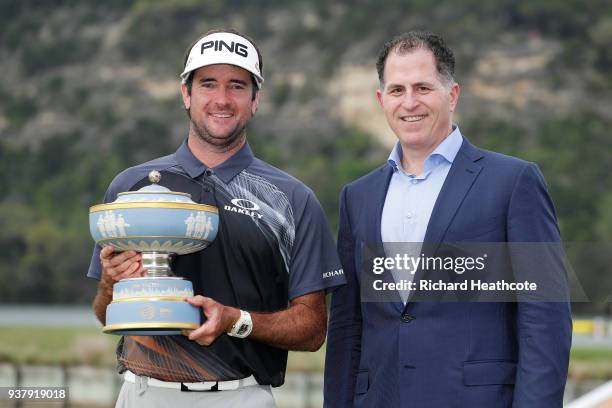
x,y
160,224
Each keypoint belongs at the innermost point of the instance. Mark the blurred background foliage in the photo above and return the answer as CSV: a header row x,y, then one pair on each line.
x,y
90,88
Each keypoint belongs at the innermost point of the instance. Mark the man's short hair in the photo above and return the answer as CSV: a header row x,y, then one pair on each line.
x,y
413,40
189,80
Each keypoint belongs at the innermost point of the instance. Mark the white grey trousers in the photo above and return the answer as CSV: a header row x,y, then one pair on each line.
x,y
138,395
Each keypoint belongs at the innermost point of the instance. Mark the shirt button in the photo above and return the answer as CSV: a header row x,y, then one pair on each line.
x,y
407,318
414,181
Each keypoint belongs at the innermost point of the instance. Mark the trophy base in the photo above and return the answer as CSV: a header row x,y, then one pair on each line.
x,y
153,330
151,307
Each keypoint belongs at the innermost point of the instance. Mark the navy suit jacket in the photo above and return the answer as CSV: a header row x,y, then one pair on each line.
x,y
449,354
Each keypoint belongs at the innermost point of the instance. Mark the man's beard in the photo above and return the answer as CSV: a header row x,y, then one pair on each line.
x,y
221,143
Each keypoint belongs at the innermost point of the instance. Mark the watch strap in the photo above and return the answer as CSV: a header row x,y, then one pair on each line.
x,y
243,326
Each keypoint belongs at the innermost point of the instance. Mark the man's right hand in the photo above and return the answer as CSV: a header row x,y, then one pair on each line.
x,y
115,266
120,265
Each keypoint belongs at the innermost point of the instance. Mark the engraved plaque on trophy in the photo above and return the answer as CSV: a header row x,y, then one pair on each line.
x,y
160,224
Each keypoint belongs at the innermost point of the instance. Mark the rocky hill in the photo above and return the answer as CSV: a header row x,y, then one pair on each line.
x,y
89,88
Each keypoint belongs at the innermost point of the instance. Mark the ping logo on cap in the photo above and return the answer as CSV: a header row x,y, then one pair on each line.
x,y
219,45
224,48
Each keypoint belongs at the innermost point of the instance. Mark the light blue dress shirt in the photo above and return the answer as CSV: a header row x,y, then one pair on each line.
x,y
411,198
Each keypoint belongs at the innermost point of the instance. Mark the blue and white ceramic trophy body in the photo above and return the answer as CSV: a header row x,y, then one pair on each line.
x,y
161,224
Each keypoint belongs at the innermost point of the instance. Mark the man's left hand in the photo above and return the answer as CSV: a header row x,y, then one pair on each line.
x,y
219,320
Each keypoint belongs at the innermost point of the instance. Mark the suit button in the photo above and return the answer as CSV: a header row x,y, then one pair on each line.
x,y
407,318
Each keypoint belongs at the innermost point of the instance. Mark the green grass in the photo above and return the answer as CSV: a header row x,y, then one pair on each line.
x,y
89,346
56,345
590,363
306,361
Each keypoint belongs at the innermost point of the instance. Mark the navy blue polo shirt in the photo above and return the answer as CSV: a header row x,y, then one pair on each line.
x,y
273,245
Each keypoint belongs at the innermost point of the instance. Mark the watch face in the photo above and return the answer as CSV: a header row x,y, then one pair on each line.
x,y
243,329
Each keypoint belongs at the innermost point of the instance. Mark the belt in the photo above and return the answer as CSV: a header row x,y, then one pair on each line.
x,y
195,386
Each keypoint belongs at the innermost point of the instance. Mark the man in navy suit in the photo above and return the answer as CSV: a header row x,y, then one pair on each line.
x,y
439,188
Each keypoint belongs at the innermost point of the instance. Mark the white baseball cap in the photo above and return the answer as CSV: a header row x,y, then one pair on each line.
x,y
223,48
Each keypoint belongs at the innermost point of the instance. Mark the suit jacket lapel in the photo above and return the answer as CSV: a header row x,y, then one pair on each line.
x,y
374,208
459,180
375,203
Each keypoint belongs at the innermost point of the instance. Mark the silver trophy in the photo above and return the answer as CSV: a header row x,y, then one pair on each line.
x,y
160,224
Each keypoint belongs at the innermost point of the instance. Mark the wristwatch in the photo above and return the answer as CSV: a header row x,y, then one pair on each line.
x,y
243,326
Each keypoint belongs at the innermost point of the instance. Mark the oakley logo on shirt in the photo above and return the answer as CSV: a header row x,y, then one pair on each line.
x,y
244,206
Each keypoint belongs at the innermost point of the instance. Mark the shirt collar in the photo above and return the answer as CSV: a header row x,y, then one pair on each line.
x,y
448,149
226,171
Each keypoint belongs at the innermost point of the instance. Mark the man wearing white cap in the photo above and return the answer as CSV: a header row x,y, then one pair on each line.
x,y
261,284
